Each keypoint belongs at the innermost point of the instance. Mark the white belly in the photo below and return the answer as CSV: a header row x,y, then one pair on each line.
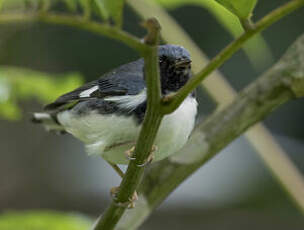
x,y
175,129
99,132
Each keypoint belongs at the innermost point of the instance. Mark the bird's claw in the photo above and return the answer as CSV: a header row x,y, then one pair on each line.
x,y
150,157
128,204
129,154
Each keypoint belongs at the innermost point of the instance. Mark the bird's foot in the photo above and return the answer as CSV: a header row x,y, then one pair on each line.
x,y
129,154
150,157
128,204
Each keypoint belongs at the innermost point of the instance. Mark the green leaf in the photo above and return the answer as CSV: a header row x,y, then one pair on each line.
x,y
86,6
111,9
71,4
115,8
33,3
45,5
104,13
17,84
241,8
23,4
9,110
43,220
12,4
1,3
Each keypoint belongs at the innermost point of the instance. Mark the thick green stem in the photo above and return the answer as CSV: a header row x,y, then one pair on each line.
x,y
147,134
172,102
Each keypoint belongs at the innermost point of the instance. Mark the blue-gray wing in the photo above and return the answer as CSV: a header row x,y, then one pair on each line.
x,y
125,80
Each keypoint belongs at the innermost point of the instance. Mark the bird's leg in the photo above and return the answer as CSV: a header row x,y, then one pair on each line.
x,y
117,169
129,154
129,204
114,190
150,157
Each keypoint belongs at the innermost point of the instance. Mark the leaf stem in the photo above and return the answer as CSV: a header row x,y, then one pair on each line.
x,y
247,24
172,102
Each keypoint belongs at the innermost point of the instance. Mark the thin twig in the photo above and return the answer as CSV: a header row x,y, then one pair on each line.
x,y
247,24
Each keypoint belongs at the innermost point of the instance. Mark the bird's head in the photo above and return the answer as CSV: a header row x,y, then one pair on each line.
x,y
175,67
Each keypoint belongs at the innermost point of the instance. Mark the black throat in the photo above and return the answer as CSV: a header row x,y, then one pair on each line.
x,y
172,79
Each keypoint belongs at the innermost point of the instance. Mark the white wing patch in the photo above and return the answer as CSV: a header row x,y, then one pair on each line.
x,y
42,116
47,121
129,102
88,92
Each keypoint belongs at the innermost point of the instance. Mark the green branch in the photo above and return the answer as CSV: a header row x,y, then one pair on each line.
x,y
171,102
283,82
147,134
77,22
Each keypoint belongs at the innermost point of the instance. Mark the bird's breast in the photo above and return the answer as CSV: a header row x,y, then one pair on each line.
x,y
176,128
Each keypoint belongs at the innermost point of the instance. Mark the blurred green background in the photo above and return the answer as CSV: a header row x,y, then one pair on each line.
x,y
40,170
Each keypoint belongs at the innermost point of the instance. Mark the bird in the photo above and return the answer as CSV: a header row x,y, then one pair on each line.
x,y
107,114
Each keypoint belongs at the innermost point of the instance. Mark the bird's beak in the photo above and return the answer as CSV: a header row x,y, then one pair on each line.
x,y
182,63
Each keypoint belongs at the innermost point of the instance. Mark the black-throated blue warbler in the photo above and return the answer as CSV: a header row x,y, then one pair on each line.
x,y
106,114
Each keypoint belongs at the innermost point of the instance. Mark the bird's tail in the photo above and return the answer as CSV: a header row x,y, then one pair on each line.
x,y
49,122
